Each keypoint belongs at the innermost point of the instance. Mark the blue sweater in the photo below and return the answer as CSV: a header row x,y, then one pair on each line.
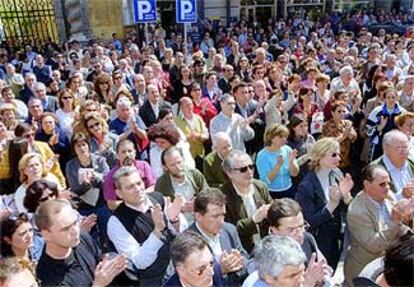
x,y
266,161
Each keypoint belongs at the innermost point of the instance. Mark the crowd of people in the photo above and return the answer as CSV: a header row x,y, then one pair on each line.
x,y
249,156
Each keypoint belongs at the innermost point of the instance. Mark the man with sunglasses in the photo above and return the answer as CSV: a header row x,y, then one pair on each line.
x,y
194,262
374,221
248,199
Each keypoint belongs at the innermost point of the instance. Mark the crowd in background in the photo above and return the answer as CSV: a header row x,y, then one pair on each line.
x,y
254,154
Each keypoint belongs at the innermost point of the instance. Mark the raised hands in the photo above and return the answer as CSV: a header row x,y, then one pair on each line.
x,y
231,262
158,218
173,209
108,269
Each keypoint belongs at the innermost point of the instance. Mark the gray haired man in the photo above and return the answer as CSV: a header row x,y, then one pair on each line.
x,y
280,261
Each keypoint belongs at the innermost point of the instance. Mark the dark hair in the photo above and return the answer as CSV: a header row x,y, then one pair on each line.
x,y
296,120
76,138
8,227
399,261
164,112
239,86
281,208
368,173
34,193
185,244
21,129
122,142
165,131
213,196
167,152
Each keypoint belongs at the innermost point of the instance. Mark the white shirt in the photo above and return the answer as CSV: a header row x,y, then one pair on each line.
x,y
213,242
400,177
142,255
323,176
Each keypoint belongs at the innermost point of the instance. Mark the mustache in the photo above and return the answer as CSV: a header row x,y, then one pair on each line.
x,y
128,161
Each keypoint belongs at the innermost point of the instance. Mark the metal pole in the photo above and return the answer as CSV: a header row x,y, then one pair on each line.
x,y
146,35
185,42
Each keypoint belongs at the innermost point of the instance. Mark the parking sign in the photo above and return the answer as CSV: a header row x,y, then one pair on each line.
x,y
145,11
186,11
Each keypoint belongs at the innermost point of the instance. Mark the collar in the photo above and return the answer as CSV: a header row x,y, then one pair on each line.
x,y
144,209
173,181
390,167
215,239
242,195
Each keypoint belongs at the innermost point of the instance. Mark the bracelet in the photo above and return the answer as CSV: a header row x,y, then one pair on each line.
x,y
174,221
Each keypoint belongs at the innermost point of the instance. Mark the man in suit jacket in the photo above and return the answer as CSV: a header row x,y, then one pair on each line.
x,y
151,108
49,103
213,172
248,199
396,161
372,221
222,237
193,262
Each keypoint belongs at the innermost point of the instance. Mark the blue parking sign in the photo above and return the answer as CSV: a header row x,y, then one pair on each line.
x,y
186,11
145,11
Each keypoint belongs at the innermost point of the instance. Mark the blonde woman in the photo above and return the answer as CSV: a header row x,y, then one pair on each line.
x,y
101,140
405,123
31,168
320,195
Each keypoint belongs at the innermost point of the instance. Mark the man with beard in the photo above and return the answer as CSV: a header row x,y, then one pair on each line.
x,y
126,154
71,258
179,180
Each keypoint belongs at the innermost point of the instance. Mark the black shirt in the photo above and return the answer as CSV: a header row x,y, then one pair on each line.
x,y
75,270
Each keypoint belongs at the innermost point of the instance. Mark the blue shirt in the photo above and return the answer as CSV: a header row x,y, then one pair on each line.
x,y
117,126
266,161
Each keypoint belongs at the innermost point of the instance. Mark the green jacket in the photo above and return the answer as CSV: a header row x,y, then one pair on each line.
x,y
213,172
165,187
237,215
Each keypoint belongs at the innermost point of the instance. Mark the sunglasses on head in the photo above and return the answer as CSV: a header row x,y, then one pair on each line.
x,y
245,168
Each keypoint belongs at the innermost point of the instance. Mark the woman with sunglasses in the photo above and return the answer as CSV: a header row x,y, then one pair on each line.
x,y
276,162
341,129
67,111
17,239
31,168
102,141
323,194
23,143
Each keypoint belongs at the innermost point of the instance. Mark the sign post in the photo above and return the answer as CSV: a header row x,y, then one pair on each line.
x,y
186,13
145,11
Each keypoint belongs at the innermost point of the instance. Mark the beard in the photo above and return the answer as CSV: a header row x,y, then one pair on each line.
x,y
128,161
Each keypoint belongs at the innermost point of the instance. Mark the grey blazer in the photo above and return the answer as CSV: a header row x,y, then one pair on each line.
x,y
229,239
89,193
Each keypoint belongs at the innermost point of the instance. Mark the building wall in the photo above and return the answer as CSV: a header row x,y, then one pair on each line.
x,y
215,9
105,18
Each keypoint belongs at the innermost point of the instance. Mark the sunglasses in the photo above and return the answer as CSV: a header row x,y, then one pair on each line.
x,y
200,270
47,197
29,136
335,154
94,125
245,168
67,98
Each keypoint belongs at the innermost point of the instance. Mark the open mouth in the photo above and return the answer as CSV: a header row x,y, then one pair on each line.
x,y
127,161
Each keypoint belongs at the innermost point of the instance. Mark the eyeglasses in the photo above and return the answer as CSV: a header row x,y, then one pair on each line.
x,y
245,168
67,98
304,226
47,197
200,270
94,125
31,135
